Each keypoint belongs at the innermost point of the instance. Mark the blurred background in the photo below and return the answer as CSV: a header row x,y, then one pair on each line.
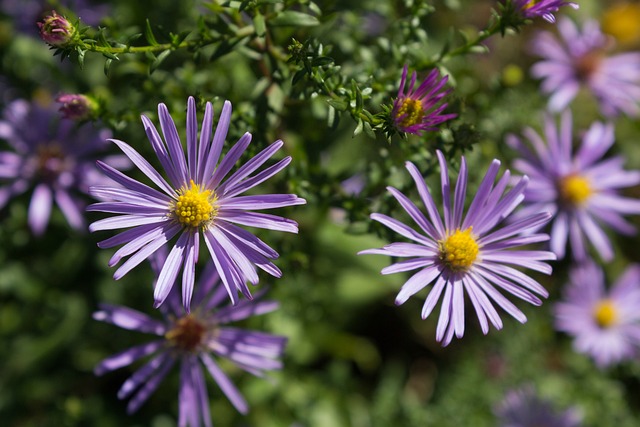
x,y
353,357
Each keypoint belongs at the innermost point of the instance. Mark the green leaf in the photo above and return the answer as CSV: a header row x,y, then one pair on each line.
x,y
132,38
358,130
368,130
107,67
163,55
259,25
294,19
110,55
298,76
148,34
338,104
322,61
81,53
355,90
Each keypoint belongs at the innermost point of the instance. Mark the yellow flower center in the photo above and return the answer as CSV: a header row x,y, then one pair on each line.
x,y
605,314
187,333
194,206
531,3
575,189
459,250
411,112
622,21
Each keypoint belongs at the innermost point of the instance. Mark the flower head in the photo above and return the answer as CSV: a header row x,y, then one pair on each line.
x,y
580,59
529,9
415,111
56,30
580,189
77,106
56,158
192,340
523,407
605,323
198,199
469,253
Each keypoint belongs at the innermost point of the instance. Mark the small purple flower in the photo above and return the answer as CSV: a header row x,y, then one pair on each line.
x,y
579,189
416,111
545,8
191,340
56,30
523,407
54,157
605,324
196,200
470,253
580,60
77,106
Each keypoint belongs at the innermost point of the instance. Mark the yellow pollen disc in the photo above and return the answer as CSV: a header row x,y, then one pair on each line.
x,y
459,250
605,314
575,189
195,207
412,111
187,333
531,3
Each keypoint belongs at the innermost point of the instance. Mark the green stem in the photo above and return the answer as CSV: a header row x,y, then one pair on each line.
x,y
483,35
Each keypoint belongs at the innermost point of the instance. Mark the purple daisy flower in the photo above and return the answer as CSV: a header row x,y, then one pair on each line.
x,y
579,189
192,340
580,60
416,111
196,200
533,8
604,324
523,407
469,253
54,157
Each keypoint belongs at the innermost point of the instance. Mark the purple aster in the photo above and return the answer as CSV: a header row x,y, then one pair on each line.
x,y
580,59
545,8
523,407
198,199
53,157
415,111
579,189
604,324
471,252
191,341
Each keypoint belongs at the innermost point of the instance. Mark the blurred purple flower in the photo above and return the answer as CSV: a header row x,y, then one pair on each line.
x,y
196,200
26,13
579,189
191,340
580,60
470,253
605,324
533,8
54,157
523,407
415,111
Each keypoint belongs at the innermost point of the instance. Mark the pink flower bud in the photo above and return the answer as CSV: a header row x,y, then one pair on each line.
x,y
56,30
76,106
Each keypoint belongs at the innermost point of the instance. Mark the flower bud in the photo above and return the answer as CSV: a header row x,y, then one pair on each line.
x,y
76,106
56,30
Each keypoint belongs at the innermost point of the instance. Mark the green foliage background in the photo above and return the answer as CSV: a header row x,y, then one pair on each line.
x,y
353,359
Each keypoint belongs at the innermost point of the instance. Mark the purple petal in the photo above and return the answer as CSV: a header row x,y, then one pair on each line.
x,y
225,384
40,209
